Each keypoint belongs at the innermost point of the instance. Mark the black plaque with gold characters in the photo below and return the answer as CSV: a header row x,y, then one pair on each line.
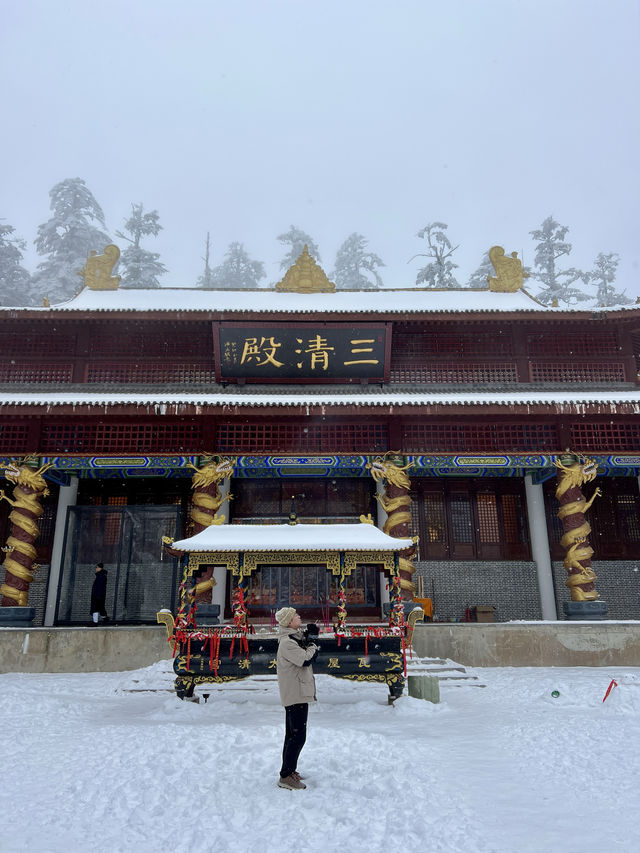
x,y
311,352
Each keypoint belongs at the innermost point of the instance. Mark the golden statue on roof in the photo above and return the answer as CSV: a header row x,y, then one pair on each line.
x,y
97,270
509,272
305,276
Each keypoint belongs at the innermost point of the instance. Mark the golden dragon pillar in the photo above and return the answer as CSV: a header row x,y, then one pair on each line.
x,y
575,540
29,489
396,502
205,503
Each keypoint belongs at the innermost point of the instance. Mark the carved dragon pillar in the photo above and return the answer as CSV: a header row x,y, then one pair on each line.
x,y
396,502
29,489
576,528
205,503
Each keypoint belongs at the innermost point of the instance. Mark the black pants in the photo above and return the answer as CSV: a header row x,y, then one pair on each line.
x,y
294,736
97,606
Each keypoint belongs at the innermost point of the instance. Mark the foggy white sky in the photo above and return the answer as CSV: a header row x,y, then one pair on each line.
x,y
241,118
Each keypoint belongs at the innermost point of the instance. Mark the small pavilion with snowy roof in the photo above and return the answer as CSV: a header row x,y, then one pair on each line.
x,y
205,653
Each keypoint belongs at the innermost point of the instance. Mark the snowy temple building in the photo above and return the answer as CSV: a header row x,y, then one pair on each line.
x,y
294,393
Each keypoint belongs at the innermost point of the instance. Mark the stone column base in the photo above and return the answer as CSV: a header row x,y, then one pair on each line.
x,y
585,610
17,617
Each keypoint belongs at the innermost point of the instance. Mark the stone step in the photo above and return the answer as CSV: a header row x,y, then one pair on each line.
x,y
423,670
466,678
446,671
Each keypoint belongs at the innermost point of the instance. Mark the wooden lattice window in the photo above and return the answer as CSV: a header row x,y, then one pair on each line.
x,y
460,524
317,498
157,437
629,518
605,437
446,437
593,344
22,371
156,340
309,588
46,342
635,345
454,372
577,371
470,519
488,525
67,437
359,437
14,437
511,522
153,372
409,346
113,520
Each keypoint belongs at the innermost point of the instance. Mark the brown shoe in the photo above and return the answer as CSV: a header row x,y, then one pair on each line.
x,y
291,783
298,776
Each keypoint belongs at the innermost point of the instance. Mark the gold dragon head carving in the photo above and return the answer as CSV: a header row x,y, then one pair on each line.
x,y
581,470
213,472
383,469
20,474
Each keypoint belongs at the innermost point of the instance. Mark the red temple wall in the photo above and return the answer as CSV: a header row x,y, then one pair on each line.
x,y
172,352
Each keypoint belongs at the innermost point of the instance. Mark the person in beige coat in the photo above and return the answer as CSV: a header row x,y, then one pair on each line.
x,y
297,688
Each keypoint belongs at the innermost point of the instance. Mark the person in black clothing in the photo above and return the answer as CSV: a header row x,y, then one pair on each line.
x,y
99,594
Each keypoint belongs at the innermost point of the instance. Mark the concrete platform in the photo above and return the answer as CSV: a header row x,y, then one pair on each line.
x,y
531,643
114,649
82,649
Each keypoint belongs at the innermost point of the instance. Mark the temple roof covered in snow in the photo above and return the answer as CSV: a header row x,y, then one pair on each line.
x,y
385,301
291,537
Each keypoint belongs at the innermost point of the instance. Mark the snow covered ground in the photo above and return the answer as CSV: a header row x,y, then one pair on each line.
x,y
89,766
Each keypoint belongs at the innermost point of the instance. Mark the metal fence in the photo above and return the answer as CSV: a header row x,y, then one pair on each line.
x,y
128,539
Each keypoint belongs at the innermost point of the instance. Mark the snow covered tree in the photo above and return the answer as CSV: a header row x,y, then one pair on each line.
x,y
602,276
297,240
15,281
478,280
352,264
237,270
206,280
139,267
556,283
439,273
74,230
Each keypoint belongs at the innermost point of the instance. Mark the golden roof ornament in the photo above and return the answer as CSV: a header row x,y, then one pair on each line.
x,y
305,276
97,270
509,272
